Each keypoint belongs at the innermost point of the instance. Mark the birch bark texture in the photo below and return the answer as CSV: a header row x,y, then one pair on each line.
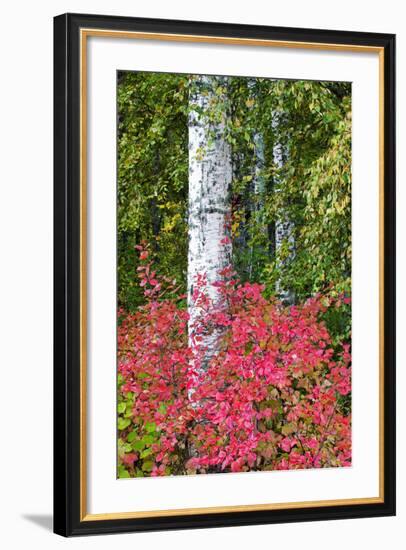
x,y
284,227
209,206
258,180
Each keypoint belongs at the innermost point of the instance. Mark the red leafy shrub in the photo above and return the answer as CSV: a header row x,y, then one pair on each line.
x,y
269,398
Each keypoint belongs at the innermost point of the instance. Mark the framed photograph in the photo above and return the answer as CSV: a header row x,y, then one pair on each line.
x,y
224,274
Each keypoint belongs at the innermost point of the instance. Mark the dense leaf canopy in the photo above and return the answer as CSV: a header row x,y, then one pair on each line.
x,y
311,188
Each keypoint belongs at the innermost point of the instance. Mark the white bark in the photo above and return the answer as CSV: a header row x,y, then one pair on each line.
x,y
259,153
258,189
284,228
210,173
259,180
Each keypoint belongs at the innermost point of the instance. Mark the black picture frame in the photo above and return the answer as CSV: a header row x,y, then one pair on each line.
x,y
68,520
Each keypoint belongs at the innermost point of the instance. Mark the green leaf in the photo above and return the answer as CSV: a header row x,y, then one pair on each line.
x,y
148,440
121,407
147,465
131,436
150,427
123,423
122,472
162,409
138,445
146,453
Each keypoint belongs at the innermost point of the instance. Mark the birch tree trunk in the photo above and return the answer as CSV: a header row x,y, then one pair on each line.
x,y
259,189
210,174
284,227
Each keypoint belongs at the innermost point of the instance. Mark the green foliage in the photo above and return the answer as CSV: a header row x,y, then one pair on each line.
x,y
312,188
152,176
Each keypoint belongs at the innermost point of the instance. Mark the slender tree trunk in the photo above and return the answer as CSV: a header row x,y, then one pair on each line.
x,y
210,173
258,184
284,227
